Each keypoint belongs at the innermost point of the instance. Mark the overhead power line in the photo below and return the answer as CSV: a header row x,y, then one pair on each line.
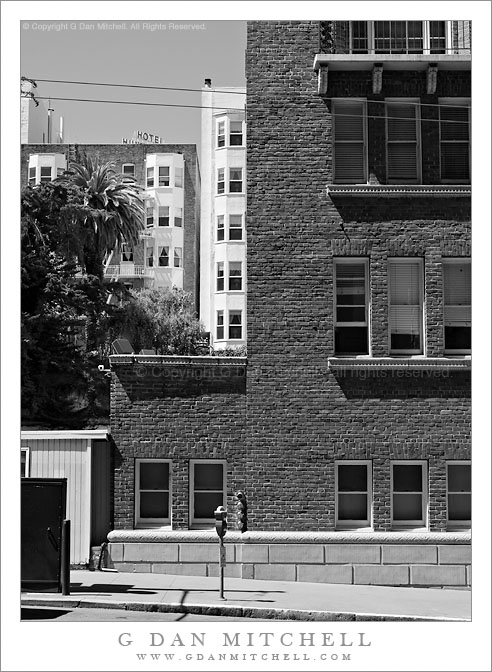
x,y
133,102
135,86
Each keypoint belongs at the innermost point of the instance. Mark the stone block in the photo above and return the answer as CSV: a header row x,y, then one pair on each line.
x,y
404,554
115,552
440,575
325,573
233,571
275,572
142,567
252,553
455,555
247,571
468,575
124,566
298,553
204,552
197,569
141,552
397,575
353,554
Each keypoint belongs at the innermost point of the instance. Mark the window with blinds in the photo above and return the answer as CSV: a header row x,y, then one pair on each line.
x,y
454,126
402,142
457,306
406,306
351,307
349,132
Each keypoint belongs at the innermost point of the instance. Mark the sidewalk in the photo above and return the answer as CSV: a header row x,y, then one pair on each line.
x,y
284,600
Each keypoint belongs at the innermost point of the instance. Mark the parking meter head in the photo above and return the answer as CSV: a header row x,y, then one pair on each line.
x,y
221,521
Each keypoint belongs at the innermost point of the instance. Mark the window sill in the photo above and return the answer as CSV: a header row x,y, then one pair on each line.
x,y
398,190
341,364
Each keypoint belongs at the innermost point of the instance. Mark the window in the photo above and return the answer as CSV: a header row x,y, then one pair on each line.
x,y
126,252
402,146
235,180
163,215
178,257
45,174
437,37
220,181
406,306
235,276
235,227
220,276
128,169
178,216
397,37
454,125
149,256
25,462
207,490
152,492
178,177
150,177
409,493
351,307
349,132
235,324
457,305
353,493
32,176
164,176
220,227
236,133
164,256
221,134
149,215
220,325
459,493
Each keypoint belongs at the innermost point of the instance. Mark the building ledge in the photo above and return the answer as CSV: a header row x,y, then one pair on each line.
x,y
178,360
398,190
341,364
210,536
65,434
413,62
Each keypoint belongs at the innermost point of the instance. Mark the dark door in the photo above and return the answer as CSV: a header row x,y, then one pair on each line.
x,y
43,506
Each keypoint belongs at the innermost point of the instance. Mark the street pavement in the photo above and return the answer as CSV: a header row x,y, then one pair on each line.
x,y
251,598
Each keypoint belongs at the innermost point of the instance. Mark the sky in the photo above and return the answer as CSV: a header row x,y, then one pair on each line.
x,y
163,53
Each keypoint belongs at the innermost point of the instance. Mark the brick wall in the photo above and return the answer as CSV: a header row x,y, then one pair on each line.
x,y
176,412
301,418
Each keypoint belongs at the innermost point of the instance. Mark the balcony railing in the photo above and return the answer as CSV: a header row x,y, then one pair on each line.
x,y
127,270
395,37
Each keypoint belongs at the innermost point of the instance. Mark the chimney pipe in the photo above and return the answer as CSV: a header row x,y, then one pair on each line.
x,y
208,83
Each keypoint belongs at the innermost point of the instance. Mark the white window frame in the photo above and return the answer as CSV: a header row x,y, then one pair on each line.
x,y
351,524
406,524
161,215
205,522
455,523
31,177
220,228
178,177
236,228
149,256
422,349
127,249
241,133
220,314
127,165
165,179
235,326
367,323
25,450
220,276
456,102
426,43
221,181
235,277
42,178
221,134
160,249
365,171
151,522
149,214
450,261
178,256
178,217
241,181
414,102
150,177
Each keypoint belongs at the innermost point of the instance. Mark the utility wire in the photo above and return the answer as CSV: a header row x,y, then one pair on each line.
x,y
134,86
238,109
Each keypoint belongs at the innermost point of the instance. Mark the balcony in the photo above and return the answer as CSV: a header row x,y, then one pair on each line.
x,y
127,270
395,45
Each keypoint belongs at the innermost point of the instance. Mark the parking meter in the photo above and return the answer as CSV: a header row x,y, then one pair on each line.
x,y
221,521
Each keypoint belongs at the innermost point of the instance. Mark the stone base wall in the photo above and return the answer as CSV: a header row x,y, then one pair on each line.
x,y
406,559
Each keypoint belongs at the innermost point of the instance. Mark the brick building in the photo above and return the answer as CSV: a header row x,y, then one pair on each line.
x,y
350,431
169,249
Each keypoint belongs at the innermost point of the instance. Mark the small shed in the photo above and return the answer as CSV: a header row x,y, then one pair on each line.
x,y
84,458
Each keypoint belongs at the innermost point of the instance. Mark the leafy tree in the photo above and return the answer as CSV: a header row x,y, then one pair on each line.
x,y
163,320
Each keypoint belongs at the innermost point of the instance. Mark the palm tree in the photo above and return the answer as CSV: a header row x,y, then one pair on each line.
x,y
110,211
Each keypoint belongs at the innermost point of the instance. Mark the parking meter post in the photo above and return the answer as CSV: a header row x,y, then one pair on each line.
x,y
221,529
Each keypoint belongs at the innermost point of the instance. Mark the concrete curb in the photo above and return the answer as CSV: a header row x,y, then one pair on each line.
x,y
229,610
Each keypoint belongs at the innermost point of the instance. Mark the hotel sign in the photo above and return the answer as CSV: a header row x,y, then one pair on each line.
x,y
143,138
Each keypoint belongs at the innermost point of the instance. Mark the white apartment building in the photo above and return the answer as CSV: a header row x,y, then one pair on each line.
x,y
223,215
